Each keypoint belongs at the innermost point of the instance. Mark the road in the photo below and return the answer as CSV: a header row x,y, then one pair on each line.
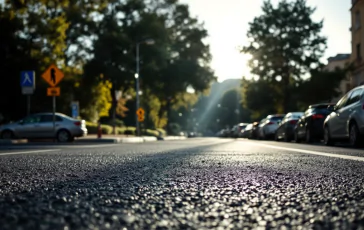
x,y
199,183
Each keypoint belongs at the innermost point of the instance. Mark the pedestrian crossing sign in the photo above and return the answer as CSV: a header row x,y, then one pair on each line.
x,y
53,75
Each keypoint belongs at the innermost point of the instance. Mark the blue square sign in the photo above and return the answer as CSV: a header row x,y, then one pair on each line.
x,y
27,79
75,109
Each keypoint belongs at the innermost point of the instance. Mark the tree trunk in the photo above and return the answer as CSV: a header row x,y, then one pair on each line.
x,y
160,115
168,110
286,92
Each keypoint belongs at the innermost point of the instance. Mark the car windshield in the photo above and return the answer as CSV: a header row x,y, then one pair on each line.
x,y
322,109
296,116
276,118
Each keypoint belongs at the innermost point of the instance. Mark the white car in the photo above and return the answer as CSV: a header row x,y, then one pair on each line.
x,y
346,121
40,126
268,127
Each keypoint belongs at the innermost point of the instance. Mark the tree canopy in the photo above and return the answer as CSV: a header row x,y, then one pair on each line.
x,y
285,45
94,43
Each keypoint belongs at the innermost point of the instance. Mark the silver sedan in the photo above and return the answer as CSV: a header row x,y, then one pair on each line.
x,y
40,126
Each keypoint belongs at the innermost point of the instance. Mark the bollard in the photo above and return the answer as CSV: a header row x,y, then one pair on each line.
x,y
99,130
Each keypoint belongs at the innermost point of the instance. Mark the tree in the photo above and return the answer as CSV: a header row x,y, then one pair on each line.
x,y
259,97
321,87
14,56
285,44
33,34
188,62
95,101
93,43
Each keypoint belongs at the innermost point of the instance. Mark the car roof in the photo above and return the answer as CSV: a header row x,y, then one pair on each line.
x,y
321,105
295,113
58,114
243,124
275,115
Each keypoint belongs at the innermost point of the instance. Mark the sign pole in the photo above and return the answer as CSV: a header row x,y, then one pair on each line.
x,y
54,116
28,104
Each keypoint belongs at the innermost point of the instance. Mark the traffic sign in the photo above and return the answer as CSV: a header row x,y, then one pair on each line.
x,y
27,79
140,118
54,91
140,112
53,75
27,90
75,108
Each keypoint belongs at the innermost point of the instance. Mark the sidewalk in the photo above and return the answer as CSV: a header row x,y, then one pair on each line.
x,y
115,139
104,139
126,139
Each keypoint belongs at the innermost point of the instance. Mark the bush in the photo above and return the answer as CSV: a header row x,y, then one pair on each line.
x,y
127,131
92,128
107,129
161,132
175,129
149,132
109,121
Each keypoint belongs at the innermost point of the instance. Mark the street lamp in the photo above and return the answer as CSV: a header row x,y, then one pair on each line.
x,y
148,41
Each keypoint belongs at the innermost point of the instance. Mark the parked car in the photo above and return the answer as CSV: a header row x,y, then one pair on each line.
x,y
346,121
40,126
247,131
260,125
269,125
234,131
311,125
254,131
240,129
286,127
224,133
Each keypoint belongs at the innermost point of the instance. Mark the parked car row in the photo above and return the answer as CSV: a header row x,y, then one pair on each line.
x,y
340,122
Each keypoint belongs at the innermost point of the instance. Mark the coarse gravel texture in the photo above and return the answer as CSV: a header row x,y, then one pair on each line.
x,y
191,184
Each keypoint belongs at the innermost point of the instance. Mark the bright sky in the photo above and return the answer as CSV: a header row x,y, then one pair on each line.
x,y
227,23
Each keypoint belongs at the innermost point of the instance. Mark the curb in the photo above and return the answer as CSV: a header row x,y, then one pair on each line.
x,y
102,140
118,140
11,142
173,138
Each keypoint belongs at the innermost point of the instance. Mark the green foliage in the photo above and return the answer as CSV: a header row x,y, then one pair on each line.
x,y
92,128
95,100
285,44
107,129
321,87
161,132
94,43
260,98
109,121
175,129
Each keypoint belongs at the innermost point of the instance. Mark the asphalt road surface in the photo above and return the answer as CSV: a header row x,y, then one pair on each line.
x,y
204,183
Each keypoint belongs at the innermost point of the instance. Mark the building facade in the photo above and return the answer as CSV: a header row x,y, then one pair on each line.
x,y
357,42
340,61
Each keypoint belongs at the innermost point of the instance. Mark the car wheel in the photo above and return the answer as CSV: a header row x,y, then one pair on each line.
x,y
354,135
308,136
63,136
7,135
286,138
296,138
264,136
327,138
276,137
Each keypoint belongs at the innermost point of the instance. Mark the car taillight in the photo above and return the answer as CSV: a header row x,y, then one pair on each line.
x,y
293,122
270,123
77,123
317,116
